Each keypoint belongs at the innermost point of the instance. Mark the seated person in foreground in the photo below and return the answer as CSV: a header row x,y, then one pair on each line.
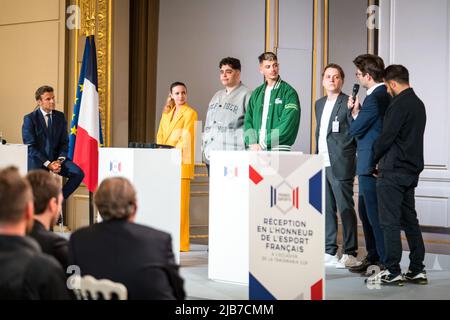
x,y
25,272
122,251
48,198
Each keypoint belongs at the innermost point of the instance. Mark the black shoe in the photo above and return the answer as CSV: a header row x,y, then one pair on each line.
x,y
416,277
362,267
388,278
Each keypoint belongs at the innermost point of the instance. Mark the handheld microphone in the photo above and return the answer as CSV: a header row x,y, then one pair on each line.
x,y
355,91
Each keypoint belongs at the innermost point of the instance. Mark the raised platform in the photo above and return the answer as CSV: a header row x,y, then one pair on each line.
x,y
340,283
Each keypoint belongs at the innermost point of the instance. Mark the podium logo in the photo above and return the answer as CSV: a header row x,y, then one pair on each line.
x,y
284,197
230,172
115,166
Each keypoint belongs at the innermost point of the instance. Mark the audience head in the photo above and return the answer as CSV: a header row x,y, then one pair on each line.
x,y
333,78
177,96
230,72
16,202
396,79
268,66
47,194
370,69
45,98
116,199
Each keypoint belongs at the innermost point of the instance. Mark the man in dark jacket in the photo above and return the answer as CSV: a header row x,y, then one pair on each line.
x,y
338,149
48,200
117,249
25,272
45,132
399,154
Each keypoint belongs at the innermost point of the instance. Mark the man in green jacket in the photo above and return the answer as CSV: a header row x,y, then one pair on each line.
x,y
273,113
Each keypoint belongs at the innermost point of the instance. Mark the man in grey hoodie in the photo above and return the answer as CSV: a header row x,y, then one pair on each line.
x,y
226,112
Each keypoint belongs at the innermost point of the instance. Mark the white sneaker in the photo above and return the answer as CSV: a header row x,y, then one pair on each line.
x,y
330,260
348,261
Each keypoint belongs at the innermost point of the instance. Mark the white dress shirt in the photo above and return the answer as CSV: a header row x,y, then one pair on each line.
x,y
323,130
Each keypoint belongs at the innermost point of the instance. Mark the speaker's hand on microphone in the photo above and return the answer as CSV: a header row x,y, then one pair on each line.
x,y
350,103
354,105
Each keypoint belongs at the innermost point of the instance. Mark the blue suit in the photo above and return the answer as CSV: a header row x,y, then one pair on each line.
x,y
366,128
46,144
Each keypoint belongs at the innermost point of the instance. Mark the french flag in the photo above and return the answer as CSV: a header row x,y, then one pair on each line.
x,y
86,137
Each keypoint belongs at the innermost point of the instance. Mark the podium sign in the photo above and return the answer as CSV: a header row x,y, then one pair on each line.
x,y
156,176
287,224
14,155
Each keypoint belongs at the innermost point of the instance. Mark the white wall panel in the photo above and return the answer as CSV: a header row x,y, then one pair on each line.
x,y
295,57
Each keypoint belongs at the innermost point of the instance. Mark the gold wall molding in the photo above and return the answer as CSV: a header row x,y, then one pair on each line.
x,y
272,25
320,47
96,19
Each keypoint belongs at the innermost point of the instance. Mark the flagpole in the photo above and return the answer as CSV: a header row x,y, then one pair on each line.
x,y
91,210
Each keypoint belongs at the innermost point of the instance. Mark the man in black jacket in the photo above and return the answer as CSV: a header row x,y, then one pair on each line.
x,y
399,154
122,251
25,272
48,198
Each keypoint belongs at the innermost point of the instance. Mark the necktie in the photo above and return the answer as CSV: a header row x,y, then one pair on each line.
x,y
49,135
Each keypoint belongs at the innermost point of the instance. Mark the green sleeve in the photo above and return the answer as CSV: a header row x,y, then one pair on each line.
x,y
286,131
250,136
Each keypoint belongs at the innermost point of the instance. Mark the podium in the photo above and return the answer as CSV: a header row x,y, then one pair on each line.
x,y
15,155
156,176
228,217
266,223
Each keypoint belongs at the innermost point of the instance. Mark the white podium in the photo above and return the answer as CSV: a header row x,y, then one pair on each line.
x,y
16,155
156,175
228,217
266,223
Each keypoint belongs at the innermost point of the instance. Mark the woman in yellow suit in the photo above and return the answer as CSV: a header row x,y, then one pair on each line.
x,y
176,129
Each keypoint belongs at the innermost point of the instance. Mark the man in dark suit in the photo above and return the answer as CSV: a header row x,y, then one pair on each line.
x,y
48,200
366,127
25,272
122,251
45,132
399,154
338,149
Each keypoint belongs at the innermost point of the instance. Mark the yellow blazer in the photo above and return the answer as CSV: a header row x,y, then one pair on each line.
x,y
179,133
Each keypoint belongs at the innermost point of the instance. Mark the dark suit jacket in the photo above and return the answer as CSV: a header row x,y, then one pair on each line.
x,y
51,243
367,127
341,146
35,132
28,274
137,256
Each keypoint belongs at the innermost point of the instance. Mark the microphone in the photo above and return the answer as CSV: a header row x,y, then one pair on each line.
x,y
355,91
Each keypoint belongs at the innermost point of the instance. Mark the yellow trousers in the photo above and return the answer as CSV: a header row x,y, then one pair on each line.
x,y
184,219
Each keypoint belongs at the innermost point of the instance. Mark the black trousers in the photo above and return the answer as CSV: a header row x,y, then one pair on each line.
x,y
339,196
396,205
